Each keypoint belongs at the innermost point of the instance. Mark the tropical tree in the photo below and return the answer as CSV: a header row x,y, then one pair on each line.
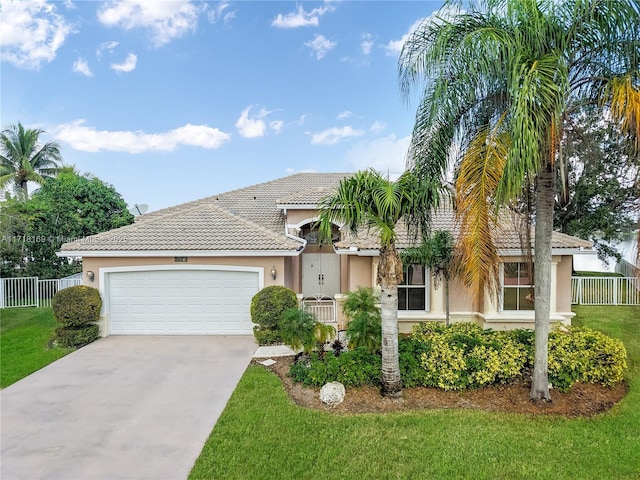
x,y
438,253
498,81
367,201
23,159
365,321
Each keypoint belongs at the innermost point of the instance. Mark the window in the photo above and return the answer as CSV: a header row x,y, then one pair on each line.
x,y
517,287
412,292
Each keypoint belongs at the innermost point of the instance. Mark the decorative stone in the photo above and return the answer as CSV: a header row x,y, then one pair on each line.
x,y
268,362
332,393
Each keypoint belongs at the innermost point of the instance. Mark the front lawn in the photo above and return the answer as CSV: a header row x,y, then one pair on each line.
x,y
262,434
24,337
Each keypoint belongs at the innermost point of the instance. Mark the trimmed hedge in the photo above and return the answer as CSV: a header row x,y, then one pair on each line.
x,y
77,306
267,308
464,356
76,337
77,309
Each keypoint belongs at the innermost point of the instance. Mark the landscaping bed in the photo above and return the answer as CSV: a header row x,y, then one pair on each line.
x,y
583,400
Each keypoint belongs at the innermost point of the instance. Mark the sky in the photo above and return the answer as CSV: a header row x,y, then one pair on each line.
x,y
171,101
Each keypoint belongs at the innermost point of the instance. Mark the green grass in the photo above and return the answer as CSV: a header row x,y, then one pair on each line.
x,y
24,337
597,274
262,435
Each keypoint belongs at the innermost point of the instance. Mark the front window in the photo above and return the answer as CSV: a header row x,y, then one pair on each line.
x,y
517,287
412,292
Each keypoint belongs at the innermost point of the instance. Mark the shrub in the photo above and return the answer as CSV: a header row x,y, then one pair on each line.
x,y
267,307
365,324
301,329
353,369
77,306
585,355
76,337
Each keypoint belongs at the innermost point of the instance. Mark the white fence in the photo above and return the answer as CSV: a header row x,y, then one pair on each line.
x,y
605,291
323,308
31,291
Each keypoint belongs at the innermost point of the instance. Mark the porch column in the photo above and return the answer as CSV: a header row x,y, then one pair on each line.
x,y
554,287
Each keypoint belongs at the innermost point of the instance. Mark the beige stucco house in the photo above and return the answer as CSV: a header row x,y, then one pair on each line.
x,y
193,268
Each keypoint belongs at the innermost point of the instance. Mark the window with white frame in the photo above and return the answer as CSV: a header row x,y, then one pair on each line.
x,y
517,287
413,291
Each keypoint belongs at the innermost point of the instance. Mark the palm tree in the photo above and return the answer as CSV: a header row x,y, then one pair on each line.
x,y
23,159
500,81
370,202
438,254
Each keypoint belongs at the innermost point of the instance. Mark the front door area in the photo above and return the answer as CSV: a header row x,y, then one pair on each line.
x,y
320,274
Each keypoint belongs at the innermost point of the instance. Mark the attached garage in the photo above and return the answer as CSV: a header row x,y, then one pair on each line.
x,y
185,301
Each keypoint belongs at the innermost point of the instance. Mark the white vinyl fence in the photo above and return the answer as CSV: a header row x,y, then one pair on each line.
x,y
31,291
605,291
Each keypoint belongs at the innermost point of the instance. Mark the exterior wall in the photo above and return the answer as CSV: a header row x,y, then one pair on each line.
x,y
563,275
359,273
94,264
295,217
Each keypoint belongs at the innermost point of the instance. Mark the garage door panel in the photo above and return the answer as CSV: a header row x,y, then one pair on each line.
x,y
181,302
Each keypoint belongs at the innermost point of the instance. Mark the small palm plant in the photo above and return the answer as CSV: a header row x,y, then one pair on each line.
x,y
365,325
301,329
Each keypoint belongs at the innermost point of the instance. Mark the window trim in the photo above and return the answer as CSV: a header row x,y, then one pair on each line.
x,y
426,286
515,287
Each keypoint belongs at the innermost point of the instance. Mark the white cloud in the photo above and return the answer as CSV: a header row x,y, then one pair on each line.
x,y
31,32
252,126
88,139
128,65
320,45
291,171
104,46
276,125
164,20
394,47
81,66
377,126
345,114
384,154
217,13
301,18
367,43
334,135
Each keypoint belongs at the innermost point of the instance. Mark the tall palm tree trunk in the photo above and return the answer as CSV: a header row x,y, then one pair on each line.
x,y
545,191
389,275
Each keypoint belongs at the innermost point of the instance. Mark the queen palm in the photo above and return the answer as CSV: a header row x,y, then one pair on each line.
x,y
23,159
369,202
500,81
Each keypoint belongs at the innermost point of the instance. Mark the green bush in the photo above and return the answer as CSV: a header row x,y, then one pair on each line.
x,y
464,356
365,321
585,355
267,308
301,329
353,369
76,337
77,306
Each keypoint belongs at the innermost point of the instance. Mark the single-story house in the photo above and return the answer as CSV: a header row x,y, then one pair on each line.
x,y
193,268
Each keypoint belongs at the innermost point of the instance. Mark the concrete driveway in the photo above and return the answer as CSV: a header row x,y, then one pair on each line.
x,y
121,408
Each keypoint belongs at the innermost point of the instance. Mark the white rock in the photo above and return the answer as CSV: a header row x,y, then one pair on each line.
x,y
332,393
268,362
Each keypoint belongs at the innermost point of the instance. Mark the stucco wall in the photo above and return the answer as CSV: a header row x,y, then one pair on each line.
x,y
563,275
94,264
359,273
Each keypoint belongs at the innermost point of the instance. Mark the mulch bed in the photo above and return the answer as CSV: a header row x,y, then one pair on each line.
x,y
584,399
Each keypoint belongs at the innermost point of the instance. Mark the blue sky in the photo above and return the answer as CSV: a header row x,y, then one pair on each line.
x,y
174,101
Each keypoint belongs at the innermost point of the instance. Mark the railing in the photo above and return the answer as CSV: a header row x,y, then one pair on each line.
x,y
605,291
31,291
324,308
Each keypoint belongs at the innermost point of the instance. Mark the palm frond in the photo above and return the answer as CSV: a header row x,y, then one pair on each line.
x,y
478,178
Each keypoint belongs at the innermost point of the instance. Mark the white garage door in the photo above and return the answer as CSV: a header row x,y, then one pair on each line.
x,y
181,302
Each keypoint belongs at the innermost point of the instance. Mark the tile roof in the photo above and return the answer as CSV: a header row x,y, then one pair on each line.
x,y
248,219
242,220
506,238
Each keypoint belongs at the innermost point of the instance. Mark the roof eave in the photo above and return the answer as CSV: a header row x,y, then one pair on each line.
x,y
179,253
